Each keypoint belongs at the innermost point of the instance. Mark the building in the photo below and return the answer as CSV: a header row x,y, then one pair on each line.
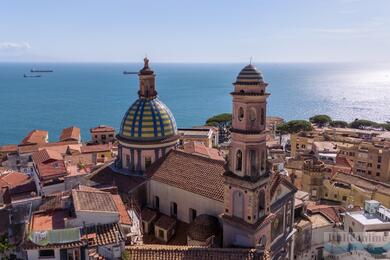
x,y
302,143
80,224
365,234
183,193
201,150
313,177
148,130
209,136
71,134
102,134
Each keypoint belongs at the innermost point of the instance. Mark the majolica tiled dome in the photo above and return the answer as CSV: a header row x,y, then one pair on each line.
x,y
249,74
148,119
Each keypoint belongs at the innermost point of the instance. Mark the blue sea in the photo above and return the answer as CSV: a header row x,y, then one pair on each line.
x,y
90,94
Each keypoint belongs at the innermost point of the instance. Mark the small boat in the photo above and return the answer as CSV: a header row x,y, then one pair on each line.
x,y
31,76
129,72
34,71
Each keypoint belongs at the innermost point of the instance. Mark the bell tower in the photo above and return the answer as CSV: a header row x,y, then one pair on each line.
x,y
147,88
246,195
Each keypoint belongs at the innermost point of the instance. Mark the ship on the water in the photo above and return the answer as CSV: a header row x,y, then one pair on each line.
x,y
31,76
35,71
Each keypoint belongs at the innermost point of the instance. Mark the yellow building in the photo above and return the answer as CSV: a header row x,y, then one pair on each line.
x,y
302,143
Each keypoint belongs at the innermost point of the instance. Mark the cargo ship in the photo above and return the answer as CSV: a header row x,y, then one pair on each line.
x,y
34,71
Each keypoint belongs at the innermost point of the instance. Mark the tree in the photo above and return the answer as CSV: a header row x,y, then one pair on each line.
x,y
294,126
320,120
220,120
338,123
363,123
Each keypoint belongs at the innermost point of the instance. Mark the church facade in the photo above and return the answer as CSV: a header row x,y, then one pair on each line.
x,y
254,205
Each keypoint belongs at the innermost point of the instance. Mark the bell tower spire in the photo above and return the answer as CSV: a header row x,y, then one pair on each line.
x,y
147,88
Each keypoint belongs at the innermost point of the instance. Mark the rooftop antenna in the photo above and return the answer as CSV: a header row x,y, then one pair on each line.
x,y
250,60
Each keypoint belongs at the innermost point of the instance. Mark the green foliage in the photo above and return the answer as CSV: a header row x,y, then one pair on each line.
x,y
362,123
320,120
5,247
338,123
126,255
224,119
294,126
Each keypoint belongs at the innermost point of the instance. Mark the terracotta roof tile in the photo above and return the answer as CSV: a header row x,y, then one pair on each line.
x,y
35,137
93,201
124,217
200,149
46,155
148,214
70,133
8,148
189,172
165,222
102,128
14,179
95,148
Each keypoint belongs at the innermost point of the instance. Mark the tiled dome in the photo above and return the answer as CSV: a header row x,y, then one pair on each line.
x,y
249,74
149,120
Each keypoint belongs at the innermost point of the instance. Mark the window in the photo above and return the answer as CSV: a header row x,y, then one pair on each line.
x,y
344,198
335,196
192,213
110,135
261,203
104,137
46,253
326,194
239,160
157,202
369,172
378,174
379,159
240,113
252,115
173,209
252,156
161,233
378,166
238,204
148,162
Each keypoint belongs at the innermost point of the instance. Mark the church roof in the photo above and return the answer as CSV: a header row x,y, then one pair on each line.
x,y
193,173
148,119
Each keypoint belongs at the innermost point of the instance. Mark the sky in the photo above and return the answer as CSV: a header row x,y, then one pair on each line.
x,y
195,31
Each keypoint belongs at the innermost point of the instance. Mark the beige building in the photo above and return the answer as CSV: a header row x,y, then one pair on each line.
x,y
302,143
102,134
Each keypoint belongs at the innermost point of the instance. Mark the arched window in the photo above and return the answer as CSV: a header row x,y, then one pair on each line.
x,y
261,204
238,204
262,116
252,115
240,113
253,163
262,161
239,160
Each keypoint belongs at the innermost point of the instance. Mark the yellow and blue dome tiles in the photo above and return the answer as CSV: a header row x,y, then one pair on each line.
x,y
148,119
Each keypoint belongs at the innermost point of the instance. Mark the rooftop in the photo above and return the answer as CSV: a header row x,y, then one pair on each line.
x,y
49,221
200,149
70,133
93,201
193,173
96,148
35,137
102,128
